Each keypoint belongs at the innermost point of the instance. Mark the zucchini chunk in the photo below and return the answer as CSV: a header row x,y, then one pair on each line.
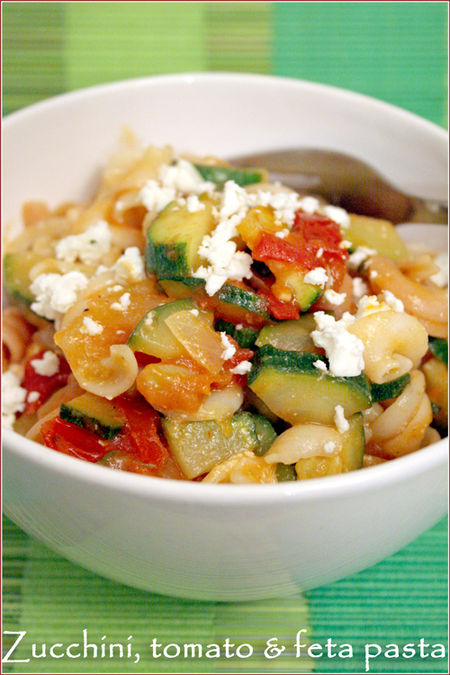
x,y
285,472
231,303
392,389
152,336
350,457
16,272
290,336
245,336
375,233
439,347
199,446
265,434
295,390
220,174
95,414
174,237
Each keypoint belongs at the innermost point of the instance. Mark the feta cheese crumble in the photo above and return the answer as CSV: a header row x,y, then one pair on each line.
x,y
123,303
360,288
56,293
441,277
13,398
394,303
33,396
89,246
318,277
91,327
340,421
47,365
336,213
329,447
229,348
333,297
343,349
130,266
320,365
242,368
359,255
194,204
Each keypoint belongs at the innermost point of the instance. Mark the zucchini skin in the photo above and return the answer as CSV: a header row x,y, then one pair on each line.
x,y
221,174
285,472
81,411
245,336
166,260
244,299
295,390
392,389
439,348
16,268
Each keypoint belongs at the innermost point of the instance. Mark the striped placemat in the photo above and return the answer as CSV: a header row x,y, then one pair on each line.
x,y
393,51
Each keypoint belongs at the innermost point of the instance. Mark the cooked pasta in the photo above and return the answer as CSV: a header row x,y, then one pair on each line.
x,y
194,321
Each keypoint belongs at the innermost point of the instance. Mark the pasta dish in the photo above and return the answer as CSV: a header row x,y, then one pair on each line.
x,y
194,321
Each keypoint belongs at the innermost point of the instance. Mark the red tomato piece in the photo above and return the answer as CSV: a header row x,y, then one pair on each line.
x,y
144,359
71,439
271,247
281,310
143,425
44,385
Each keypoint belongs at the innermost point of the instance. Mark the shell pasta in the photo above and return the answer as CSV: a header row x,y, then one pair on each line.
x,y
194,321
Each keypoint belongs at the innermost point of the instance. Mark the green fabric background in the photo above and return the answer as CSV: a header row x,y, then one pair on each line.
x,y
393,51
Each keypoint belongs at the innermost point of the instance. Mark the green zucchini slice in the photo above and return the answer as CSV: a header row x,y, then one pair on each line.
x,y
289,336
16,273
95,414
439,347
221,174
174,237
392,389
295,390
245,336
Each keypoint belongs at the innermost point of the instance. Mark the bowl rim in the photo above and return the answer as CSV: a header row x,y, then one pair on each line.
x,y
196,492
192,78
326,488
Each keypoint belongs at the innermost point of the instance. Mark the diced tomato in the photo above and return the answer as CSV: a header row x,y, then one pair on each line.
x,y
281,310
271,247
240,355
71,439
144,359
44,385
319,232
143,426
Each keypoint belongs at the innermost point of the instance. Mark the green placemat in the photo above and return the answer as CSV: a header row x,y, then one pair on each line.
x,y
394,51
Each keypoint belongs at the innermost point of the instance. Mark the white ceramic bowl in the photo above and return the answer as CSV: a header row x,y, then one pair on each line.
x,y
217,541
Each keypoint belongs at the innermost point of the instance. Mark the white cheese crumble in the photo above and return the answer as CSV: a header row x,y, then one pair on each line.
x,y
320,365
369,304
309,204
336,213
155,197
13,398
91,327
360,287
47,365
55,293
122,303
340,421
229,348
394,303
194,311
329,447
33,396
193,204
281,234
182,176
89,246
359,255
333,297
343,349
242,368
441,277
318,277
130,266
